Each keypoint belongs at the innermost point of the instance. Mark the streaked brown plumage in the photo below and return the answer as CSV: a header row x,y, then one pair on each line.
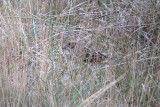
x,y
70,45
94,57
87,54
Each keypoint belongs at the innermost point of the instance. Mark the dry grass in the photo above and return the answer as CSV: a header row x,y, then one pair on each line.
x,y
36,71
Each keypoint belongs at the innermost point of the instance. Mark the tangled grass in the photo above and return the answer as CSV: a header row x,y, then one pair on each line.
x,y
36,71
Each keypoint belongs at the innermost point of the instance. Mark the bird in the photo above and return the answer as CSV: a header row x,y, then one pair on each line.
x,y
95,57
70,45
87,54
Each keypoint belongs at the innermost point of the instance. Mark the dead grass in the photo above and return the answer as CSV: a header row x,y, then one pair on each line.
x,y
36,71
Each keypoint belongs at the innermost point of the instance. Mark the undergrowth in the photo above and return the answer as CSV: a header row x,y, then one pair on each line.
x,y
35,70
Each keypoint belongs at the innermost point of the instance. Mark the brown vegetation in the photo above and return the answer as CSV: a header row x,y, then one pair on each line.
x,y
48,51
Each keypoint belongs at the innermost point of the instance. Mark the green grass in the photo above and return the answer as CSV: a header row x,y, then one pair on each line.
x,y
36,71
